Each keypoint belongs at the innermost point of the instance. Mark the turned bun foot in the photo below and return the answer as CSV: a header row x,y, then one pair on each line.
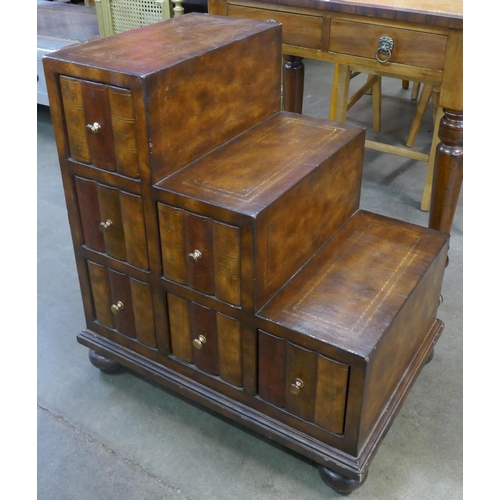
x,y
338,482
106,365
430,356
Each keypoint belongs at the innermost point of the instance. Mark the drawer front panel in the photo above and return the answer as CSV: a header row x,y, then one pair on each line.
x,y
272,358
109,207
124,131
413,48
198,234
172,243
112,222
100,124
331,386
122,303
226,248
298,29
76,121
201,253
206,338
95,98
203,326
302,382
121,294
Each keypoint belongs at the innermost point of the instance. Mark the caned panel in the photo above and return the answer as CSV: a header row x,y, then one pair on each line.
x,y
301,369
142,303
121,294
271,373
132,216
90,215
109,204
229,337
96,101
101,293
198,233
203,324
180,328
74,115
124,131
173,251
331,394
227,275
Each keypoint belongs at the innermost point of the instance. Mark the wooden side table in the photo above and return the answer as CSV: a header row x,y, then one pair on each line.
x,y
423,43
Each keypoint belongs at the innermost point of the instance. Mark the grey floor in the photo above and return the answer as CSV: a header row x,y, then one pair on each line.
x,y
107,437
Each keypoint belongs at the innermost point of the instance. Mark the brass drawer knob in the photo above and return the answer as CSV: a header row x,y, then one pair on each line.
x,y
385,46
296,386
198,343
195,256
116,308
104,226
94,128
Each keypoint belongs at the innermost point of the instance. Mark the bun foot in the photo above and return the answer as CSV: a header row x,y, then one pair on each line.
x,y
106,365
338,482
430,356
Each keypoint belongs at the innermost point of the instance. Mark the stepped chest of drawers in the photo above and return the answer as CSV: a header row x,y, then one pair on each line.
x,y
220,245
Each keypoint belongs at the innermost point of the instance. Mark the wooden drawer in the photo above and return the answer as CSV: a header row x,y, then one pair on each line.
x,y
205,338
112,222
201,253
411,47
298,29
122,304
100,125
311,386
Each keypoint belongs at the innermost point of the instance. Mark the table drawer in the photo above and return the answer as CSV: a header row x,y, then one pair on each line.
x,y
413,48
298,29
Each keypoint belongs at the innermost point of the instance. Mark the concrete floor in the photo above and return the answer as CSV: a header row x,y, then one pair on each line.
x,y
107,437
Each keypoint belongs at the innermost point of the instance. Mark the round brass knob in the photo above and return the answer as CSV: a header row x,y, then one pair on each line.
x,y
116,308
94,128
385,46
296,386
195,256
198,343
104,226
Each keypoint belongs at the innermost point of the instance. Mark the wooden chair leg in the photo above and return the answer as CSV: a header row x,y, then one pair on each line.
x,y
415,90
405,84
419,114
377,104
426,196
340,93
435,102
341,102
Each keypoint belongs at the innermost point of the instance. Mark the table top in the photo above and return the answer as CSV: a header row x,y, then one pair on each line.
x,y
445,13
448,7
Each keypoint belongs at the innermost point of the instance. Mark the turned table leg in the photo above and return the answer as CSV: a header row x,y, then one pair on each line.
x,y
338,482
293,83
104,364
448,171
